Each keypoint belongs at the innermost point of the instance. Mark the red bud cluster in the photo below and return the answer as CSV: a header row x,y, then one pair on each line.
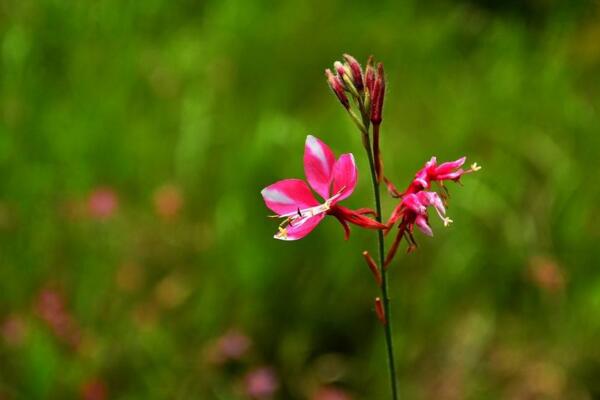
x,y
368,91
367,88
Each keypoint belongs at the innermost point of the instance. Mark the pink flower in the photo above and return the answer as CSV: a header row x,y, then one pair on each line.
x,y
168,201
51,307
413,211
431,172
331,393
261,383
14,330
334,180
416,199
93,389
231,346
102,203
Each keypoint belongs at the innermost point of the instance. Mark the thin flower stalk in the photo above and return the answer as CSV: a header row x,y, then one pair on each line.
x,y
370,107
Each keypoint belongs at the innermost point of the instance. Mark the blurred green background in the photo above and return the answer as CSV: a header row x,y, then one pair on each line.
x,y
136,259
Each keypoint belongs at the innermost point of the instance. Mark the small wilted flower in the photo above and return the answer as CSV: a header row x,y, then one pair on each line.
x,y
168,201
261,383
94,389
373,267
331,393
379,310
332,179
547,274
51,307
14,330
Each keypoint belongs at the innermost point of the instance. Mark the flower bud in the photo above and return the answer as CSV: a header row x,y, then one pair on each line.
x,y
340,69
372,267
370,76
379,310
356,71
378,95
338,88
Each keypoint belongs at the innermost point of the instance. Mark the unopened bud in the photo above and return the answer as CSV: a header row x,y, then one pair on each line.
x,y
338,88
373,267
370,76
378,95
340,69
345,76
379,310
356,71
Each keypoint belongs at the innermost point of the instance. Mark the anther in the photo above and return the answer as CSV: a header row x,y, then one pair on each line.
x,y
282,232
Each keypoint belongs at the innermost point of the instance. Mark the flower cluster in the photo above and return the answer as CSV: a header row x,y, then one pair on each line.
x,y
411,211
361,93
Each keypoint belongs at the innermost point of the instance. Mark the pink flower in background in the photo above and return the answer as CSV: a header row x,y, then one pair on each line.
x,y
334,180
102,203
261,383
93,389
51,307
330,393
168,201
231,346
234,344
547,274
14,329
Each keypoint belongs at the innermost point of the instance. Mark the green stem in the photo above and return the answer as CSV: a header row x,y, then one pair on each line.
x,y
381,244
384,285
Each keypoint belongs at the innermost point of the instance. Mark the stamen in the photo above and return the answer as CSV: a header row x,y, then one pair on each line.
x,y
447,221
282,233
285,222
475,167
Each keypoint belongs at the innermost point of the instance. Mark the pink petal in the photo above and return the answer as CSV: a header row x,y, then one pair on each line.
x,y
288,196
318,165
421,222
300,228
414,203
431,163
448,167
345,175
432,199
452,176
